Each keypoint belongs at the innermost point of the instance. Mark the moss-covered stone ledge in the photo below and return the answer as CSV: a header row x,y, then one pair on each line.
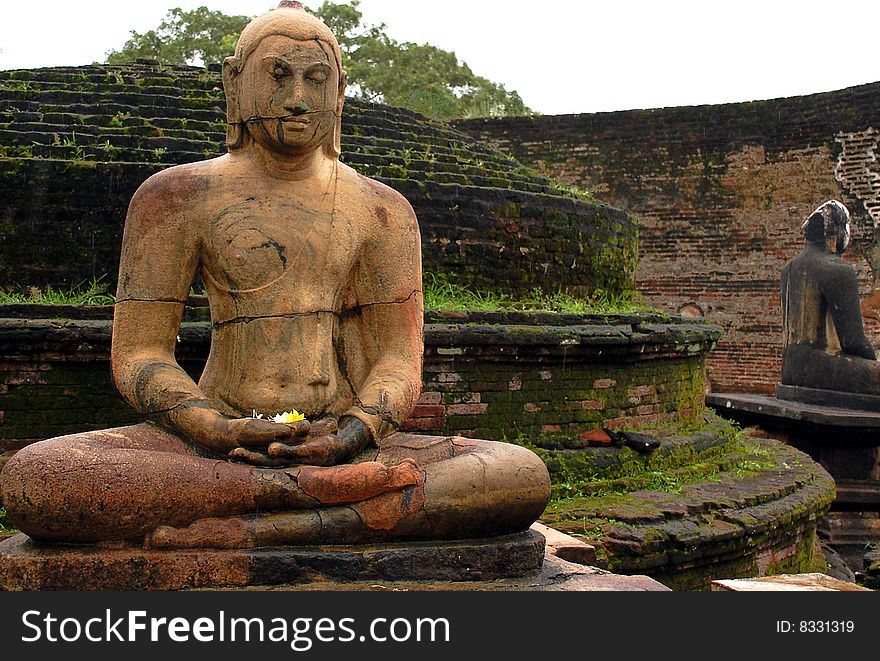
x,y
75,143
695,510
497,376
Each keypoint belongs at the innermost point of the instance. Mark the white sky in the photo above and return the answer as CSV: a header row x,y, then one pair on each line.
x,y
562,56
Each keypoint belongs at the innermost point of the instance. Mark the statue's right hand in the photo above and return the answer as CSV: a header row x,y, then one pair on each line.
x,y
220,433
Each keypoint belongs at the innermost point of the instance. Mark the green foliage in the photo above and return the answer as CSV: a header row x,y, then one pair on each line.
x,y
5,524
15,85
420,77
440,294
16,151
119,118
199,36
95,294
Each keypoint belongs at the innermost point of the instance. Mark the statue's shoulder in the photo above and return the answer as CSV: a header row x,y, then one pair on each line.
x,y
376,198
180,181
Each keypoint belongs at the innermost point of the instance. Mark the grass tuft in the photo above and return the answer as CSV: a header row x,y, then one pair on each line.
x,y
95,294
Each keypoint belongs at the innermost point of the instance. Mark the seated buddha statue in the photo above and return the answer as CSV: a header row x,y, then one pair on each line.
x,y
313,276
825,346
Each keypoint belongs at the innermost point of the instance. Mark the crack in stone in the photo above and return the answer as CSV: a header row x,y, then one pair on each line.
x,y
149,300
293,315
255,119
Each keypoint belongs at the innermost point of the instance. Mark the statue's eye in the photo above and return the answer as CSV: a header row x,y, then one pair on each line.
x,y
280,71
317,77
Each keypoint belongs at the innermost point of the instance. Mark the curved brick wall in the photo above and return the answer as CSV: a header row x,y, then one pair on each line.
x,y
492,376
76,142
720,193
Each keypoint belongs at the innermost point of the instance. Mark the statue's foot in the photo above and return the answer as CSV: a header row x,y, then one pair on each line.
x,y
389,515
354,483
226,533
377,496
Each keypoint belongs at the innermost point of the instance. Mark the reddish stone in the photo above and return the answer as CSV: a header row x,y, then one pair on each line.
x,y
422,424
592,405
531,407
604,384
428,411
596,437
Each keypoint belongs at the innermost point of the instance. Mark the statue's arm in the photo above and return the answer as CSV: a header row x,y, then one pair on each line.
x,y
160,255
390,307
844,304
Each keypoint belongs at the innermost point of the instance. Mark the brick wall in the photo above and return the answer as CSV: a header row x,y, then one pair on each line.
x,y
486,375
76,142
720,193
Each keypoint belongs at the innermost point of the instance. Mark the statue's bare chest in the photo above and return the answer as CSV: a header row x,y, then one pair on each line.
x,y
257,242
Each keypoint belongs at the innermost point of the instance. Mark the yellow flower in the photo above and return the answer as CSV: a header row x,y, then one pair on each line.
x,y
289,417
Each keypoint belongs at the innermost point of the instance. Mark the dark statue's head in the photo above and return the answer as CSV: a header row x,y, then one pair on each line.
x,y
285,85
829,226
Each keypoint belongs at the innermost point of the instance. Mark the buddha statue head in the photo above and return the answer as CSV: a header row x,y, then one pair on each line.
x,y
285,85
829,226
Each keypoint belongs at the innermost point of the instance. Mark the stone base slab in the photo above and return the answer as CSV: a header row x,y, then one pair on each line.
x,y
787,583
27,565
822,397
792,416
555,575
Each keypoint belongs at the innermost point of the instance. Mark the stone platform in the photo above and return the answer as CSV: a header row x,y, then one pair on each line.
x,y
803,418
27,565
512,562
711,505
845,441
787,583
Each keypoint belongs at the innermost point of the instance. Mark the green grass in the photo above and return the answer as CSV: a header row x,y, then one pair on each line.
x,y
5,525
95,294
440,294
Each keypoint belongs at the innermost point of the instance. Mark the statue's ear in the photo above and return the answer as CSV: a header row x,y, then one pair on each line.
x,y
234,129
340,101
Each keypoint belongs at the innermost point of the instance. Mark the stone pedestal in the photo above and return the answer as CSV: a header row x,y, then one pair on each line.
x,y
845,441
28,565
510,563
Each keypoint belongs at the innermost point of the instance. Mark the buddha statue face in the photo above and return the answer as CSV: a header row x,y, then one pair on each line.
x,y
285,86
288,94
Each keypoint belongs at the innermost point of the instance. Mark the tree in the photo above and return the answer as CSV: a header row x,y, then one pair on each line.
x,y
421,77
200,36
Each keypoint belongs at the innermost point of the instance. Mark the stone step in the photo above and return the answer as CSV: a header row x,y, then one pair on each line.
x,y
787,583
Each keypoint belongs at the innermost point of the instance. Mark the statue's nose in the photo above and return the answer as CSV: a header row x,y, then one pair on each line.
x,y
295,104
300,108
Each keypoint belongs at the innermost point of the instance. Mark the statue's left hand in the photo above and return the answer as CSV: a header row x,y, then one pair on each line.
x,y
352,437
